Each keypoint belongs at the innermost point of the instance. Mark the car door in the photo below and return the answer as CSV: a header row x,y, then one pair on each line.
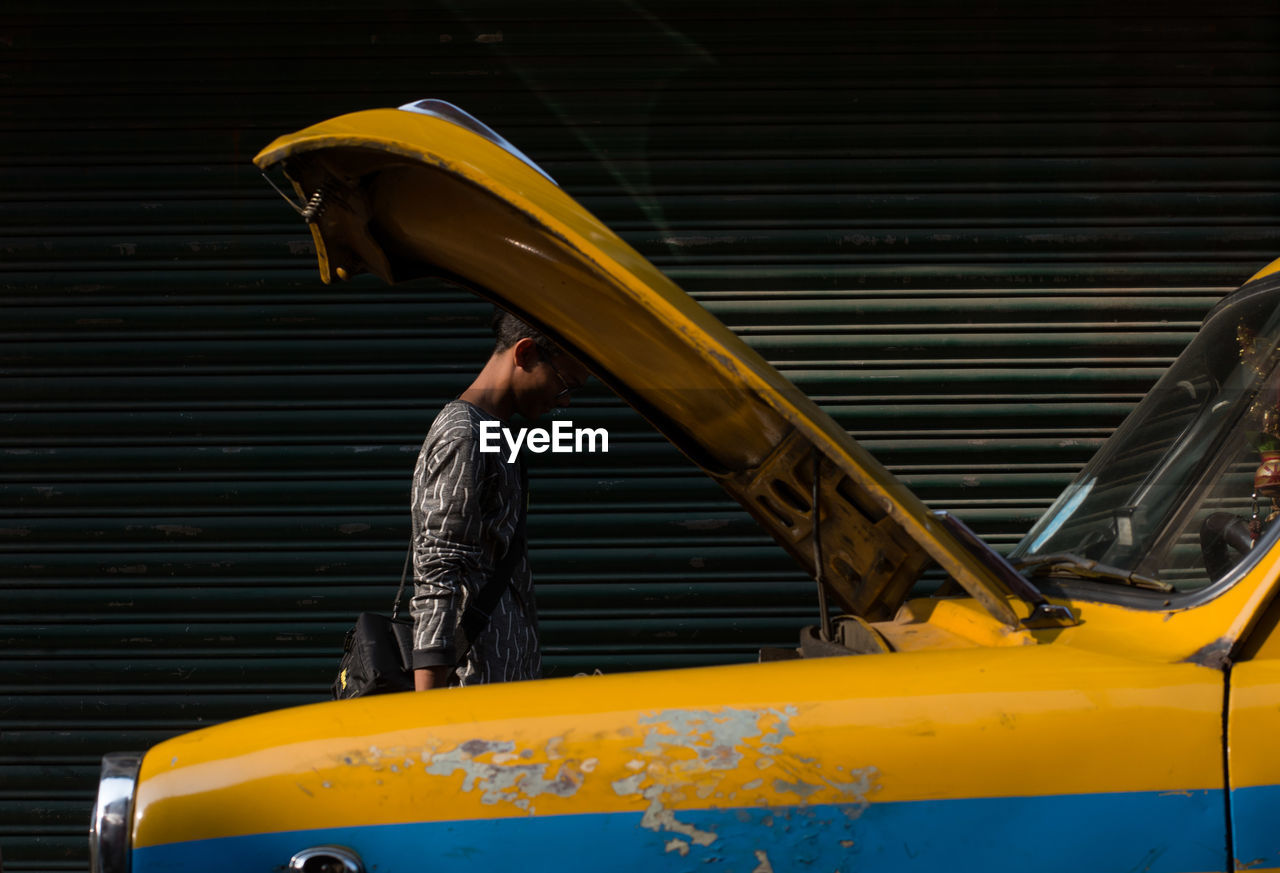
x,y
1253,733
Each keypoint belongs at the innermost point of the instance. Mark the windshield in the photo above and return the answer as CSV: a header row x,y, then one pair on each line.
x,y
1191,479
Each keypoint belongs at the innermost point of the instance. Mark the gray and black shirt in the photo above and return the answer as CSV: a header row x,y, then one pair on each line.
x,y
466,509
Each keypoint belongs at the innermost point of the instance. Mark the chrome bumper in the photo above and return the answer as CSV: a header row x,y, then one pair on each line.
x,y
111,828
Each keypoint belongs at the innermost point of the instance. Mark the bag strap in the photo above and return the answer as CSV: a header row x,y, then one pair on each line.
x,y
404,574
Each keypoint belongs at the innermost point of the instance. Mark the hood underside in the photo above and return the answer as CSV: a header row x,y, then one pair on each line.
x,y
406,194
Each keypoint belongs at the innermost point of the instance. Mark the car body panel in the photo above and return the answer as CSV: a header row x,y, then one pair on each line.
x,y
1254,729
926,837
411,195
1144,625
1103,830
1134,736
863,750
1253,724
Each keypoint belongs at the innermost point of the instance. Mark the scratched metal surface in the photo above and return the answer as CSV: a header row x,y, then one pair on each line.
x,y
975,241
877,763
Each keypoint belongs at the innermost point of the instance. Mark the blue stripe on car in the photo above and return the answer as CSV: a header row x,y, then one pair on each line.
x,y
1254,813
1160,832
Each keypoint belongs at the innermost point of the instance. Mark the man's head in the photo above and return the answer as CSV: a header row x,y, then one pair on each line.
x,y
543,376
509,330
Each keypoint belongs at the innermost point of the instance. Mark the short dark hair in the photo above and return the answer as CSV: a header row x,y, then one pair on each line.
x,y
509,330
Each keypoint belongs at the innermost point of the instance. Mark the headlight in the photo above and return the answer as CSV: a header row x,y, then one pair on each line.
x,y
109,831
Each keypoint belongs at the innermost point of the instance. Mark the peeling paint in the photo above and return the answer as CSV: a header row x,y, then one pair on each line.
x,y
491,767
804,789
659,818
1216,655
675,763
501,779
699,753
717,742
677,846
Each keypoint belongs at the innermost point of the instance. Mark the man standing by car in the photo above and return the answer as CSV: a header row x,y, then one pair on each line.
x,y
472,583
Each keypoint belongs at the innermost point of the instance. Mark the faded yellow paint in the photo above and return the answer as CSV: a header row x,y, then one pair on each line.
x,y
855,730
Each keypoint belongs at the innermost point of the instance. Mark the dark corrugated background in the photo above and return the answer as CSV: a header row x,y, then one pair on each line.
x,y
974,238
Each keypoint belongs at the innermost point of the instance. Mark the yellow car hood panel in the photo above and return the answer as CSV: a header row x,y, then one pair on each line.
x,y
871,729
404,195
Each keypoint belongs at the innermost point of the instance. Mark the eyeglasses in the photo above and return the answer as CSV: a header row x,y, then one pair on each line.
x,y
567,390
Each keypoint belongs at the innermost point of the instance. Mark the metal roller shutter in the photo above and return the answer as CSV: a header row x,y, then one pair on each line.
x,y
976,239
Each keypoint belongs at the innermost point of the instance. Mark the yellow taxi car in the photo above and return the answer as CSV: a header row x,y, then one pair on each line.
x,y
1107,697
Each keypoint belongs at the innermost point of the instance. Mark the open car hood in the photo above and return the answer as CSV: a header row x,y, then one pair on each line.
x,y
426,190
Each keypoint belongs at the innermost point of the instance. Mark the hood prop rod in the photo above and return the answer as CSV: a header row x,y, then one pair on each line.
x,y
824,614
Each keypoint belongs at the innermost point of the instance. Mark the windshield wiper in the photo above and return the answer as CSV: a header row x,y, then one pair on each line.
x,y
1067,564
1043,613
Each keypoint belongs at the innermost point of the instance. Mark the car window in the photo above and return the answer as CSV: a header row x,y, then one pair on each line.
x,y
1171,497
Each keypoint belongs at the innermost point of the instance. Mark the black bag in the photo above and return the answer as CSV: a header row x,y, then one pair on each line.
x,y
378,652
374,656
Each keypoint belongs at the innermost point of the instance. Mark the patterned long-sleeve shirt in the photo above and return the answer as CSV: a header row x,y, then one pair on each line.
x,y
466,510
